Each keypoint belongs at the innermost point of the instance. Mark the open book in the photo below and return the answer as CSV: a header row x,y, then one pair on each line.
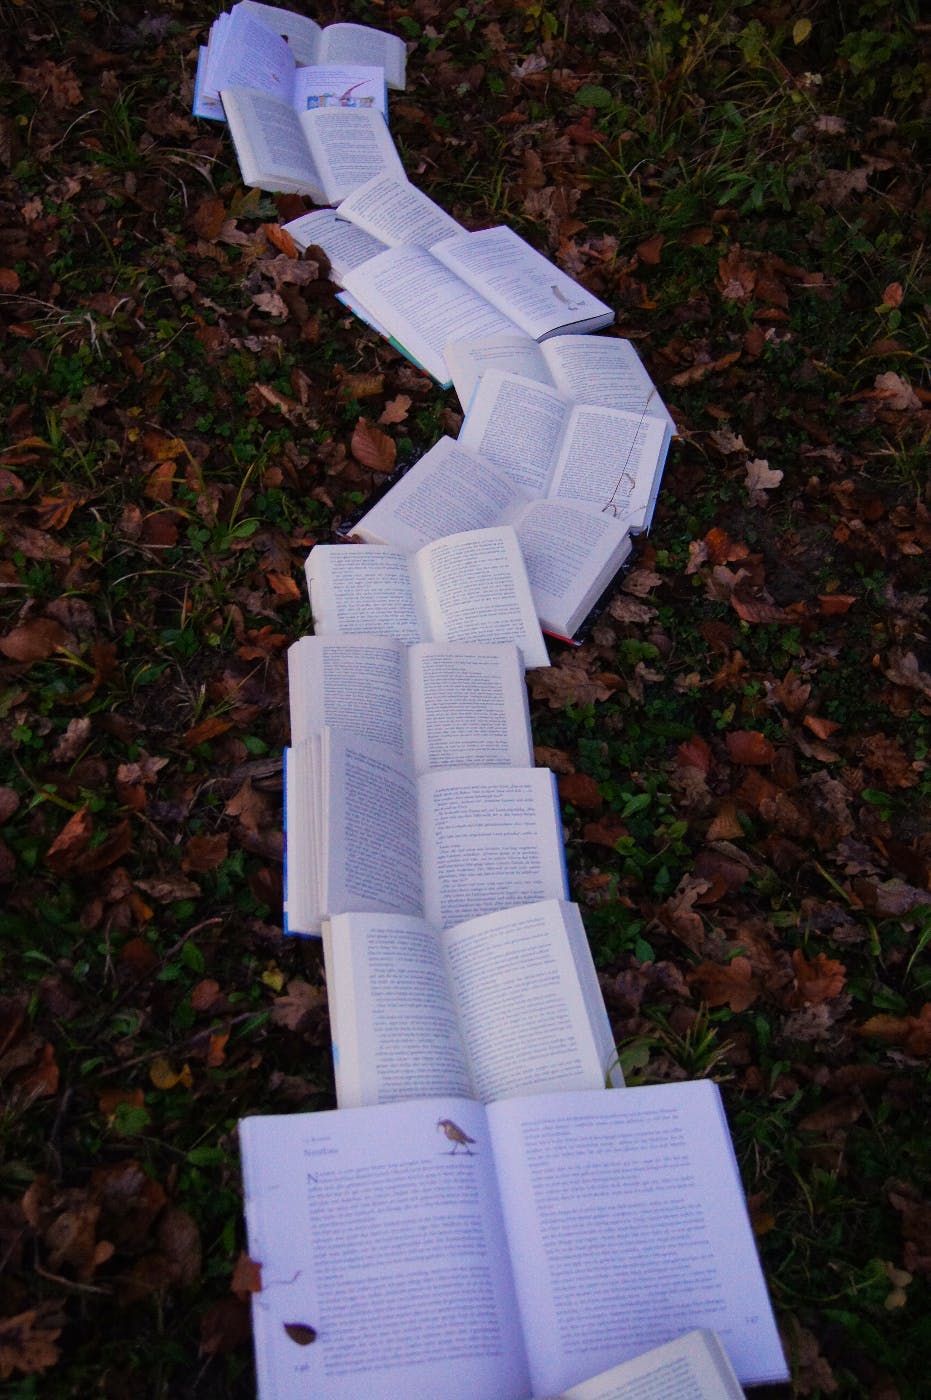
x,y
468,587
337,43
324,152
579,452
694,1366
255,57
572,549
365,834
259,45
442,1248
500,1005
597,370
470,286
433,705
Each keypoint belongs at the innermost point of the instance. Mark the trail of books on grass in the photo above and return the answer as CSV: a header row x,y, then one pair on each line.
x,y
479,1219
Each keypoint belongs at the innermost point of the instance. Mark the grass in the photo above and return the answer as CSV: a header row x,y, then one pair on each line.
x,y
742,186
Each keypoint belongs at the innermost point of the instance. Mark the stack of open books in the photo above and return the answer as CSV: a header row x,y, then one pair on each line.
x,y
489,1214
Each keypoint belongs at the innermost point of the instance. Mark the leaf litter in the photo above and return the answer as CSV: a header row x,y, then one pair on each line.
x,y
742,740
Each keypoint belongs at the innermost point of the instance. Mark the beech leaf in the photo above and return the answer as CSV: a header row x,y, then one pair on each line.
x,y
373,448
281,239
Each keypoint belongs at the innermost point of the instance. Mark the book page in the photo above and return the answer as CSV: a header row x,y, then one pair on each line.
x,y
373,847
350,144
348,85
572,551
694,1367
397,212
203,105
381,1230
345,245
392,1011
475,589
301,32
423,305
516,354
357,43
612,459
303,856
605,372
521,282
516,424
355,684
271,148
449,490
628,1223
521,1007
249,55
363,590
469,706
492,838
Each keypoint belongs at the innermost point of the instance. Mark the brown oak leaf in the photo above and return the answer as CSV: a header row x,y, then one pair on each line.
x,y
396,409
301,1002
912,1033
816,981
760,478
733,984
27,1344
34,640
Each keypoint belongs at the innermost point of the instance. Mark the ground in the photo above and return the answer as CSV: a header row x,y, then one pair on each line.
x,y
742,740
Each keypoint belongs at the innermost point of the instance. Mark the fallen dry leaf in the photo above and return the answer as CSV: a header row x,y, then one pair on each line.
x,y
33,641
209,217
733,984
396,409
164,1077
204,852
281,239
750,747
208,729
27,1344
247,1276
896,392
225,1326
169,889
373,448
581,790
567,683
760,478
912,1033
71,842
818,980
300,1002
